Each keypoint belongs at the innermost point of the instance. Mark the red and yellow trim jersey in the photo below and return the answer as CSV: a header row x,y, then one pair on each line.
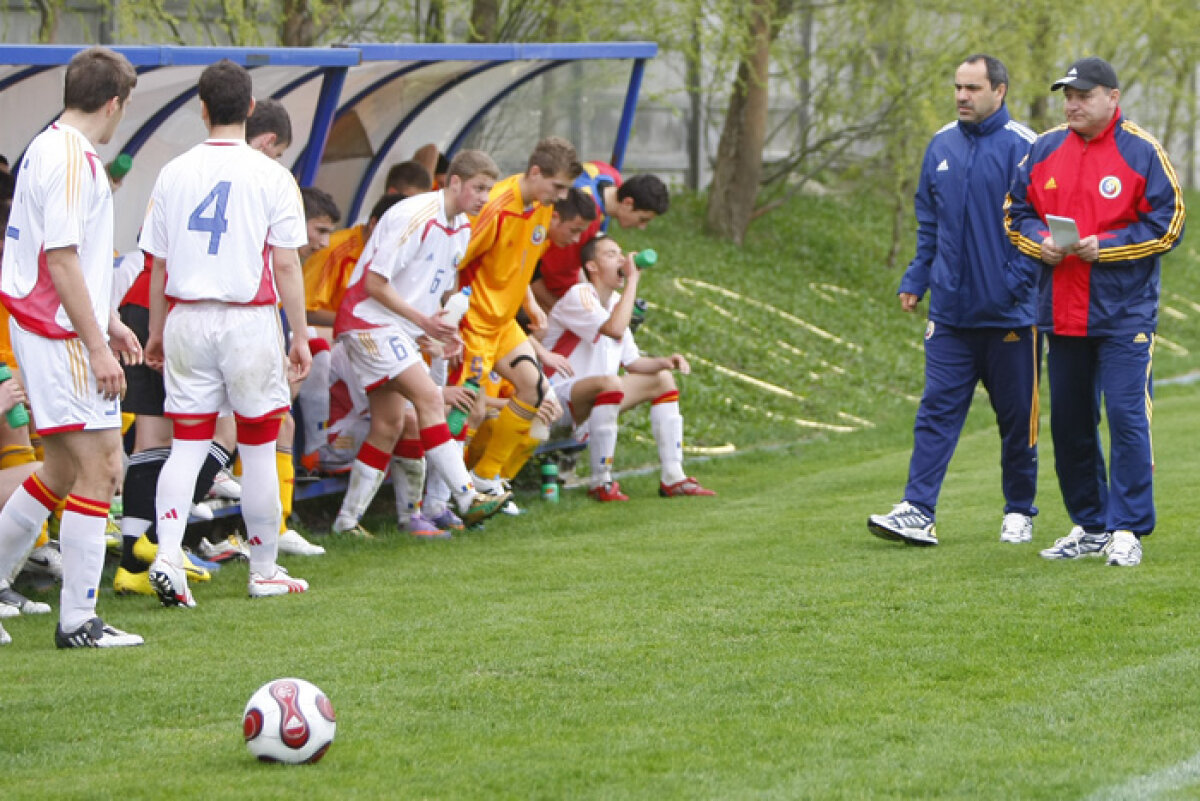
x,y
507,239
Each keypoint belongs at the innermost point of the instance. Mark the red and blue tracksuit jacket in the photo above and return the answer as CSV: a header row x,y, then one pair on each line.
x,y
1119,186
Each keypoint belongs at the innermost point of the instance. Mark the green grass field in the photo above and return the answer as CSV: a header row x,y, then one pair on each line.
x,y
757,645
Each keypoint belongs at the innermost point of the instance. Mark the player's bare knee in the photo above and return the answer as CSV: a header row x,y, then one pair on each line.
x,y
666,381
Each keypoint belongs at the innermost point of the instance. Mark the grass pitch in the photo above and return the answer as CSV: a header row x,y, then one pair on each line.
x,y
757,645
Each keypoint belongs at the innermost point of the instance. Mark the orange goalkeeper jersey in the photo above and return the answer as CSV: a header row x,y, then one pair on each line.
x,y
507,239
327,272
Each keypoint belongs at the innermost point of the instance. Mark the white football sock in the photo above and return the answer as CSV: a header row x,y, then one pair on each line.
x,y
81,540
408,482
602,428
173,500
260,505
667,425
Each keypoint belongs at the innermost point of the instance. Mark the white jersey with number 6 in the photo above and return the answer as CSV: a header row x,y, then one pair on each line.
x,y
214,214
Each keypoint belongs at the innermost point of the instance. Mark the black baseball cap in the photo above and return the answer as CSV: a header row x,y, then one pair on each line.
x,y
1086,73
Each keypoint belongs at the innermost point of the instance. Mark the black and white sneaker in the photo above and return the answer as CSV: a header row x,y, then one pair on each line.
x,y
13,602
905,523
96,634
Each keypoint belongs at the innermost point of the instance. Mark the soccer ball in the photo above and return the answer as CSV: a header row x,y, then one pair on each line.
x,y
289,720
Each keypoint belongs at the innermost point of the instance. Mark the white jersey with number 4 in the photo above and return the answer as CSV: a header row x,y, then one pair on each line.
x,y
62,200
417,249
215,212
573,330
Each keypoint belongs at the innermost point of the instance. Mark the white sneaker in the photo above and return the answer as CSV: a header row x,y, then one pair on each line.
x,y
201,511
11,599
45,560
1076,544
905,523
1016,528
225,486
232,547
170,583
291,542
1124,549
279,583
487,486
96,634
5,639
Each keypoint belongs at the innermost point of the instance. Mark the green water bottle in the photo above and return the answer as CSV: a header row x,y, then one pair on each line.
x,y
645,258
120,166
17,416
550,482
457,418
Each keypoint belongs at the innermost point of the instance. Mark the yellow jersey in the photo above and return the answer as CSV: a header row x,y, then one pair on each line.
x,y
327,272
507,239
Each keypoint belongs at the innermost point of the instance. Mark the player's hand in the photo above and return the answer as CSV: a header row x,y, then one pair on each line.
x,y
550,410
537,318
430,347
909,301
124,343
556,363
459,397
11,393
110,378
437,327
154,353
1087,248
299,359
1051,253
679,363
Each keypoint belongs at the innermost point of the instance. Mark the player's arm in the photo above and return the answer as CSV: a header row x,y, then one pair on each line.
x,y
618,321
1161,215
916,278
484,229
289,280
654,364
534,310
553,362
67,277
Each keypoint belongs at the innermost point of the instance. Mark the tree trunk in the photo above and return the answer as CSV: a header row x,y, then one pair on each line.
x,y
739,155
297,28
485,15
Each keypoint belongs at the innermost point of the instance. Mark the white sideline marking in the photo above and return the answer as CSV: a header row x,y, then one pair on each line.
x,y
1179,775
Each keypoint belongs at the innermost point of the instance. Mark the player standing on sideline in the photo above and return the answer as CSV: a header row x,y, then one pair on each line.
x,y
1098,303
590,326
394,298
633,204
56,281
507,239
981,308
214,214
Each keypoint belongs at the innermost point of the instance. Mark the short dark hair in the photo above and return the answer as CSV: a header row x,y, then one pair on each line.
x,y
226,91
575,204
319,203
8,185
95,76
555,156
648,192
408,175
588,251
270,116
996,71
382,205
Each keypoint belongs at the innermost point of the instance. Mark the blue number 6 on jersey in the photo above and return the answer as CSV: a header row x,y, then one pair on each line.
x,y
216,224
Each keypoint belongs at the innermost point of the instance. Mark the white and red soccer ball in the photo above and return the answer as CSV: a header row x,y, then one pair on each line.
x,y
289,720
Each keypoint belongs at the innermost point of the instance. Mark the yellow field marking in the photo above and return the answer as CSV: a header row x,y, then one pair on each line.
x,y
1174,313
754,382
803,423
1162,342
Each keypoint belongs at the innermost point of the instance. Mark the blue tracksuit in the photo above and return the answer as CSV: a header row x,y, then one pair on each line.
x,y
981,307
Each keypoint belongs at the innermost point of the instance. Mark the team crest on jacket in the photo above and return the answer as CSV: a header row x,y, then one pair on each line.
x,y
539,235
929,329
1110,187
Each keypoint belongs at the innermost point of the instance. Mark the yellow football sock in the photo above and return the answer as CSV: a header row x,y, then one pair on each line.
x,y
478,441
512,427
286,469
520,455
16,455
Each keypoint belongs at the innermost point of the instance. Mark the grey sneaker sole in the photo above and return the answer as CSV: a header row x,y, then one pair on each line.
x,y
885,533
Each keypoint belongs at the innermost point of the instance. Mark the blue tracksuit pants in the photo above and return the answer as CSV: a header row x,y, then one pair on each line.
x,y
1082,370
956,359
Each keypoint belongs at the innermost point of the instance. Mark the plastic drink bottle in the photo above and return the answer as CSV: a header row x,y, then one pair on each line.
x,y
550,482
645,258
17,416
456,305
456,418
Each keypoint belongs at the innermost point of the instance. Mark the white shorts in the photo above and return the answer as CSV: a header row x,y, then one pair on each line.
x,y
222,358
562,389
60,384
380,354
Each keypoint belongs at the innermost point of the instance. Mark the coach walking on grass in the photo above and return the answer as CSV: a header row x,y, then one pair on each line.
x,y
1099,303
981,307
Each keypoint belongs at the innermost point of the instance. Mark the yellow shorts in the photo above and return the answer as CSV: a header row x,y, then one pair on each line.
x,y
480,351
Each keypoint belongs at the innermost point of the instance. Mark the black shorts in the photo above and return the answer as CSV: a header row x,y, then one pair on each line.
x,y
145,391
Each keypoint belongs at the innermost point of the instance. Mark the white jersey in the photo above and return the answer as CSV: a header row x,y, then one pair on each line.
x,y
62,200
215,212
417,249
574,331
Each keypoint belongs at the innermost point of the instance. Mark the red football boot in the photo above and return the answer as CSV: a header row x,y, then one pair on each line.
x,y
689,486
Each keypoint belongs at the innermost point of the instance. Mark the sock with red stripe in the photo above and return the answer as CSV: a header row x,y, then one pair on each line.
x,y
366,474
445,459
173,499
261,508
602,435
81,539
666,423
408,476
21,522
